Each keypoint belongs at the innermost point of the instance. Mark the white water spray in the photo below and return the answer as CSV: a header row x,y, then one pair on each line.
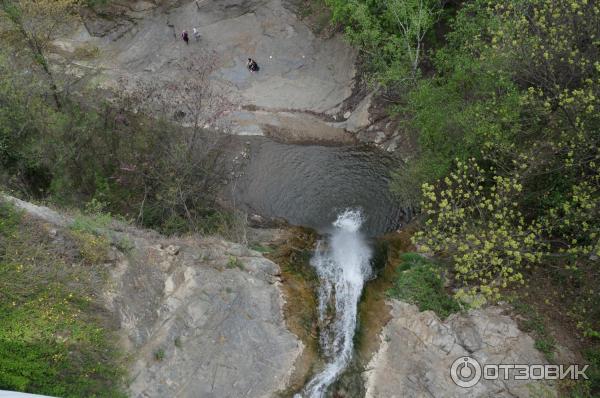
x,y
343,266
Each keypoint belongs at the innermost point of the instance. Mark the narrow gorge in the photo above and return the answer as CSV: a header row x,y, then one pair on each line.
x,y
173,224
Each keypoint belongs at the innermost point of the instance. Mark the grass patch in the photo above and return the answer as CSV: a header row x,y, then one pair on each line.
x,y
93,222
93,248
593,356
419,282
54,337
159,354
93,244
91,231
234,262
260,248
585,388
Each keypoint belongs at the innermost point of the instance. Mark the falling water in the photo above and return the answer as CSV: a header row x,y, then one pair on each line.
x,y
343,266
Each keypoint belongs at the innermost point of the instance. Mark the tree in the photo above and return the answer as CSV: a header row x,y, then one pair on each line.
x,y
472,217
180,175
390,33
413,19
514,101
37,23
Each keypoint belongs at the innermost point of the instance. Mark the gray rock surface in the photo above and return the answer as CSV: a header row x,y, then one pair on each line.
x,y
417,351
299,72
213,309
360,118
41,212
199,317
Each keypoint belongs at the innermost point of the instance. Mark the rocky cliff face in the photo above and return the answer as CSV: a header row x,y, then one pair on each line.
x,y
198,317
202,317
417,351
213,311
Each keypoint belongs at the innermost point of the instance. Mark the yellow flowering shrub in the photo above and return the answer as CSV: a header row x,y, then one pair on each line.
x,y
473,217
475,221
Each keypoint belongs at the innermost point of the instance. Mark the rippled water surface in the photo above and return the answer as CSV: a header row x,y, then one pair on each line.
x,y
310,185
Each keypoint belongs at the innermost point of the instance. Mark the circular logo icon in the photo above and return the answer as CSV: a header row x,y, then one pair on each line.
x,y
465,372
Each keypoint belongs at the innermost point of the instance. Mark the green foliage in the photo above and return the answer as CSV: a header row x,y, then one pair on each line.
x,y
163,177
480,227
9,219
93,247
93,221
159,354
52,335
90,230
546,346
491,97
234,262
260,248
508,133
470,102
592,355
419,281
390,33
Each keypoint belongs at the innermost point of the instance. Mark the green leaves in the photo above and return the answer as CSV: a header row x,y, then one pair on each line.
x,y
390,33
419,281
53,338
472,218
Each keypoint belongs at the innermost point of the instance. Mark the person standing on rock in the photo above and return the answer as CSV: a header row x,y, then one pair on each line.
x,y
196,34
252,65
185,37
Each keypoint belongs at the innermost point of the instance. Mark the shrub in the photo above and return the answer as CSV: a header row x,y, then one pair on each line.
x,y
419,281
480,228
93,247
234,262
159,354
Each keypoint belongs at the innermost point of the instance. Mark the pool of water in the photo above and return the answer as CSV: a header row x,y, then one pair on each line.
x,y
310,185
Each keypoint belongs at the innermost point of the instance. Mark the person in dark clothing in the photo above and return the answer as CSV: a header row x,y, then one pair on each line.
x,y
252,65
185,37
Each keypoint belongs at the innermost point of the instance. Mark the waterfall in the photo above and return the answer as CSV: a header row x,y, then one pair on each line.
x,y
343,265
